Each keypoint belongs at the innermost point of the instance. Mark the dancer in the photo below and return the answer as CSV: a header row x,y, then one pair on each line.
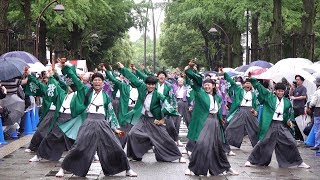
x,y
97,133
45,89
242,115
274,130
123,103
205,129
149,130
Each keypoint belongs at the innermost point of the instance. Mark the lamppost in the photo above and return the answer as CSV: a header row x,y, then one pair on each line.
x,y
59,8
214,30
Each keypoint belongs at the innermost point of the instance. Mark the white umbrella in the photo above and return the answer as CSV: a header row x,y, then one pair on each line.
x,y
276,76
37,67
227,69
291,63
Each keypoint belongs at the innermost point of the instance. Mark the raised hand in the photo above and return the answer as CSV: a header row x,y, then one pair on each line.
x,y
26,71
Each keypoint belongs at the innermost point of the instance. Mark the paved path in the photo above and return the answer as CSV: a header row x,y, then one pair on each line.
x,y
14,165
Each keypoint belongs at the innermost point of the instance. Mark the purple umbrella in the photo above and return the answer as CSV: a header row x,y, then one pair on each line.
x,y
27,57
260,63
242,68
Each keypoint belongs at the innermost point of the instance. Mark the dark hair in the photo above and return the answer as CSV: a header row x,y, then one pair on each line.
x,y
43,74
207,75
280,86
247,80
162,72
209,81
302,79
95,75
151,80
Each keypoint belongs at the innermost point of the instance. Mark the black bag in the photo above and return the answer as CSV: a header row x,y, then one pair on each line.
x,y
308,128
6,119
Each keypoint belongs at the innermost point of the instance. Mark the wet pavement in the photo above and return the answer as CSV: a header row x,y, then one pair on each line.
x,y
14,165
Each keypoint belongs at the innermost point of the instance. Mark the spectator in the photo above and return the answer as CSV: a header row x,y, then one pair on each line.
x,y
315,104
298,94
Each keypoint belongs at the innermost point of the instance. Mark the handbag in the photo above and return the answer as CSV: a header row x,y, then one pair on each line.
x,y
308,128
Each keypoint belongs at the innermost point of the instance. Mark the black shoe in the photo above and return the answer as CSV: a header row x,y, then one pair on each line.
x,y
314,148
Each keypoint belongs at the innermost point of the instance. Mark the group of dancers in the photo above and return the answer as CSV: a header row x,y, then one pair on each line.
x,y
88,123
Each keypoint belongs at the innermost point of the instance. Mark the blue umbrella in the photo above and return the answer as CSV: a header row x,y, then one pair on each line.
x,y
261,63
11,67
25,56
242,68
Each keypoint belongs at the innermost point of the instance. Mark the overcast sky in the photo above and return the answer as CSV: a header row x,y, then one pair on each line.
x,y
158,16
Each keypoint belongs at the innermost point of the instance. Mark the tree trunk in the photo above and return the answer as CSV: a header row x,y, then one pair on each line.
x,y
305,45
276,32
26,9
42,43
74,46
255,37
204,32
4,4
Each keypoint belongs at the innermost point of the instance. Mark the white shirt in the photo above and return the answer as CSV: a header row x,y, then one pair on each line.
x,y
65,108
96,104
247,99
161,88
180,92
146,105
52,107
278,114
118,94
315,100
213,105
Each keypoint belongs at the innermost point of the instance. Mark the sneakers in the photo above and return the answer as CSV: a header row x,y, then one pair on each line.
x,y
182,160
96,157
189,153
188,172
35,159
304,165
231,153
60,173
232,172
184,151
179,143
314,148
131,173
27,150
248,164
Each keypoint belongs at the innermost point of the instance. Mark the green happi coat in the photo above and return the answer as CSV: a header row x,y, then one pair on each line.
x,y
201,106
124,96
79,104
269,101
238,97
159,105
51,93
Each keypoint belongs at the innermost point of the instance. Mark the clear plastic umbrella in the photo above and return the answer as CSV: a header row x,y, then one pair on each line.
x,y
11,67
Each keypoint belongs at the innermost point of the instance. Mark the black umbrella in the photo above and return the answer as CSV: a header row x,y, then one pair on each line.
x,y
11,67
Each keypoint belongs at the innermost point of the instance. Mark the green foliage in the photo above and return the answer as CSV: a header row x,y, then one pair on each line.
x,y
179,44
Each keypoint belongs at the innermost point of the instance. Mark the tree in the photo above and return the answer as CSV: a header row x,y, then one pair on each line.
x,y
179,44
4,5
276,32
